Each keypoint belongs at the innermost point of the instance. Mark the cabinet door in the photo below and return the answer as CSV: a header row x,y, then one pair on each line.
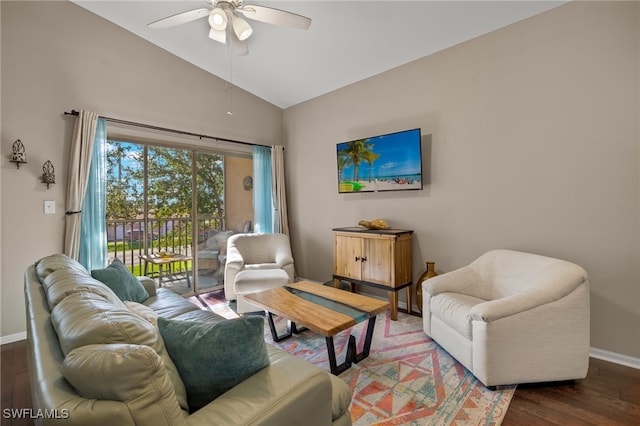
x,y
348,255
377,266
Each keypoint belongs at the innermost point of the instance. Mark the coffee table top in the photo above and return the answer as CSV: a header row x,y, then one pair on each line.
x,y
312,314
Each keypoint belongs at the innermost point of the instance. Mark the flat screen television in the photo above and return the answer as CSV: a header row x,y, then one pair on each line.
x,y
391,162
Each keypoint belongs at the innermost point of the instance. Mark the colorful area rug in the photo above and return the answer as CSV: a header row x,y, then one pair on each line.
x,y
407,378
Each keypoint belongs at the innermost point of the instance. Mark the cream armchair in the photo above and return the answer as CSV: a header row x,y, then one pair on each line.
x,y
512,317
252,252
212,251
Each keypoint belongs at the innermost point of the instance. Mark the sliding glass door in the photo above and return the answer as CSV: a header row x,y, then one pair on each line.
x,y
211,241
167,215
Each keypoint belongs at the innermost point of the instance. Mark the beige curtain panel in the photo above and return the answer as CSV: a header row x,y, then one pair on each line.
x,y
84,132
279,196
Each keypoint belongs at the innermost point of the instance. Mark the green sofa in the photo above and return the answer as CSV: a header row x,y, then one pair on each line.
x,y
122,374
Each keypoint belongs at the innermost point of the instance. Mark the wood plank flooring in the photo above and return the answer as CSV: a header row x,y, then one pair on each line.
x,y
610,395
16,390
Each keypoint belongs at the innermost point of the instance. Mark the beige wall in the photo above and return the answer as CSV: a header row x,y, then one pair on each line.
x,y
238,201
531,143
531,140
56,57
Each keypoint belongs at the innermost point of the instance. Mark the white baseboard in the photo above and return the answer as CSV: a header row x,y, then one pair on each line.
x,y
13,338
616,358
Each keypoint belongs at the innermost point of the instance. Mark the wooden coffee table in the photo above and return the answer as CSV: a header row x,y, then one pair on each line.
x,y
324,310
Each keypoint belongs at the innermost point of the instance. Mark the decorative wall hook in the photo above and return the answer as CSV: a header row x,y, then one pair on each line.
x,y
18,156
48,173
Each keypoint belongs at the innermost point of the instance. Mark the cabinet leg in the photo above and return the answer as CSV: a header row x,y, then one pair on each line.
x,y
336,283
393,305
409,300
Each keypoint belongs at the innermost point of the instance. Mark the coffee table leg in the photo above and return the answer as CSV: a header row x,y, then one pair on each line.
x,y
367,341
352,355
291,329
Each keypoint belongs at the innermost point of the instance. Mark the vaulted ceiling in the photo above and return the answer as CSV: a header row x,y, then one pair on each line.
x,y
348,40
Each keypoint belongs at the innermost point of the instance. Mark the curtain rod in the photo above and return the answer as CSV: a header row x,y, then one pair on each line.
x,y
165,129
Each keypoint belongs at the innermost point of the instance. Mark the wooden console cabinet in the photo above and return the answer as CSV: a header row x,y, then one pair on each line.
x,y
378,258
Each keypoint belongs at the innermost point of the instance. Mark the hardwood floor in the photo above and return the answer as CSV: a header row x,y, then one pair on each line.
x,y
610,395
16,391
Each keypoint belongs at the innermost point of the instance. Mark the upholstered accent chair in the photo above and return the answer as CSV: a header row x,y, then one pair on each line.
x,y
255,252
512,317
212,250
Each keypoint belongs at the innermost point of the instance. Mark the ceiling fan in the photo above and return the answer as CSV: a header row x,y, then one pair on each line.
x,y
226,25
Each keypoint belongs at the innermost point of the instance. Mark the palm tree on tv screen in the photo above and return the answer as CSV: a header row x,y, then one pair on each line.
x,y
355,151
370,157
344,161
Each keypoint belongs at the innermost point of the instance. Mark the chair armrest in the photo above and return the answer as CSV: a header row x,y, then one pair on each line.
x,y
289,391
463,280
234,263
149,284
507,306
234,258
283,257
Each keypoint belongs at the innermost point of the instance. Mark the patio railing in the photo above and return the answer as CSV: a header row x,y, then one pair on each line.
x,y
127,239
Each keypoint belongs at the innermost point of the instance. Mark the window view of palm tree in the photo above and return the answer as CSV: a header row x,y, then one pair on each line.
x,y
166,214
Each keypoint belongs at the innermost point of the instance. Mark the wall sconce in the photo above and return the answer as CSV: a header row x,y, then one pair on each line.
x,y
48,173
18,156
247,183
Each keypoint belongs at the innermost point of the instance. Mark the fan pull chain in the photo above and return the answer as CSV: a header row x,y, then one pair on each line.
x,y
229,48
229,85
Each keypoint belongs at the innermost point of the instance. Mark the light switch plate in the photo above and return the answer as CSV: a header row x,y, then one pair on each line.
x,y
49,207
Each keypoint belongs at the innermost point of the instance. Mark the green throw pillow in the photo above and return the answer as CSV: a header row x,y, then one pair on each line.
x,y
123,283
213,357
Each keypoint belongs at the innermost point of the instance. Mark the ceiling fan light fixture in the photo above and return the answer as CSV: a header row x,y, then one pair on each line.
x,y
242,29
218,19
219,36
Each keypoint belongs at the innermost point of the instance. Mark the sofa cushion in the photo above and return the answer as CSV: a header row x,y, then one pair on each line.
x,y
123,283
57,261
168,304
63,282
144,311
133,374
200,315
172,371
85,318
213,357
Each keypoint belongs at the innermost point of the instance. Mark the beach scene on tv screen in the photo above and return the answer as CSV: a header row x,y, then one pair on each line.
x,y
382,163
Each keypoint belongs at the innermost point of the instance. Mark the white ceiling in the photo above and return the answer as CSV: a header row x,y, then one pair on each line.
x,y
348,40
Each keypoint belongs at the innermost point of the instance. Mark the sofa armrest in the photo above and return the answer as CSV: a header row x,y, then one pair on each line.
x,y
290,391
501,308
149,284
463,280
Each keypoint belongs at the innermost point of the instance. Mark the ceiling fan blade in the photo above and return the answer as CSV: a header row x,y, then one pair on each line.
x,y
180,18
271,15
